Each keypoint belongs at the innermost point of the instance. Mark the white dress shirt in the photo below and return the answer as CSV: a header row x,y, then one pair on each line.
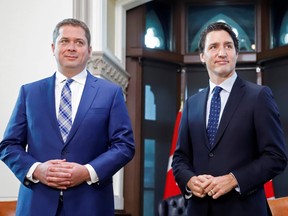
x,y
226,86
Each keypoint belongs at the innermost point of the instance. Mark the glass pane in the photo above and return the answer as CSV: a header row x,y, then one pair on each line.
x,y
279,24
149,177
148,208
244,26
158,26
149,163
150,106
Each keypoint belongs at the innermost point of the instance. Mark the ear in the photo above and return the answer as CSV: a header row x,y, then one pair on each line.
x,y
202,58
53,47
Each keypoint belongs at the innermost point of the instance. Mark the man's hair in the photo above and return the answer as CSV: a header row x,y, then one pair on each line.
x,y
217,26
75,23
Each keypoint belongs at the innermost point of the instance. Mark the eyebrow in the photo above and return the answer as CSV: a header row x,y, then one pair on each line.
x,y
216,43
76,39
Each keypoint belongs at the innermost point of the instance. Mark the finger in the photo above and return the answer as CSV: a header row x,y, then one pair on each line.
x,y
59,174
216,195
60,169
201,195
212,192
207,185
59,182
57,161
204,177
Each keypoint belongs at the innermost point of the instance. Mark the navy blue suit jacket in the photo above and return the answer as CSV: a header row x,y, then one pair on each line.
x,y
101,135
249,143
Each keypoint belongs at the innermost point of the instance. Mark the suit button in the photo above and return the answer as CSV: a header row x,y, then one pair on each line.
x,y
64,152
211,154
26,183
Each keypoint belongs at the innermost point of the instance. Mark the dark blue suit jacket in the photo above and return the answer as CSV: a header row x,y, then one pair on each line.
x,y
101,135
249,143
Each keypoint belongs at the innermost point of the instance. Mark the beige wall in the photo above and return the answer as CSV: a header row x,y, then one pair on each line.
x,y
26,36
111,25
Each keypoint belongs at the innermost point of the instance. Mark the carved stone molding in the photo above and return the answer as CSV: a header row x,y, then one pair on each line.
x,y
104,66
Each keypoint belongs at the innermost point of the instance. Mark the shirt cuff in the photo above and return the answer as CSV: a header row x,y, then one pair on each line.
x,y
188,193
93,175
29,175
238,187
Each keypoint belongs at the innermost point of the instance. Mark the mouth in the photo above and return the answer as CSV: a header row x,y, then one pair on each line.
x,y
222,62
71,57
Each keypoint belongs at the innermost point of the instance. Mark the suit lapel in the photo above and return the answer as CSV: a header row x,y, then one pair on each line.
x,y
88,96
48,94
234,99
201,113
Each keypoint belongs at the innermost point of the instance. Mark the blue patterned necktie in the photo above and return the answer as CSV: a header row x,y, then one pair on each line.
x,y
65,110
214,115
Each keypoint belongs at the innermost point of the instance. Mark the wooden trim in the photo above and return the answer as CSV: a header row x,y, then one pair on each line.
x,y
162,55
242,58
132,174
272,54
135,27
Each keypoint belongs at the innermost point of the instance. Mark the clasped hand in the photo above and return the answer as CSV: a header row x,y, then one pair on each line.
x,y
215,187
61,174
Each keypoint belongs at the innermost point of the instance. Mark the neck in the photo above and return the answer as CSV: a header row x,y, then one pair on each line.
x,y
70,73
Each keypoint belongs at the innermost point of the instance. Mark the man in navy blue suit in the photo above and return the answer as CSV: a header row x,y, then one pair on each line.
x,y
226,177
73,175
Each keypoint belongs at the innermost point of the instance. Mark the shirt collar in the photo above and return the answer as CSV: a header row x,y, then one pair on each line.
x,y
79,78
226,85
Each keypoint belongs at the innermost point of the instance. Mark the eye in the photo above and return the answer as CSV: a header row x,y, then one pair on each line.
x,y
80,43
63,41
229,46
212,47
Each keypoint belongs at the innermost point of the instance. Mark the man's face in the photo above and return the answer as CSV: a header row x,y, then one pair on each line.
x,y
71,50
219,55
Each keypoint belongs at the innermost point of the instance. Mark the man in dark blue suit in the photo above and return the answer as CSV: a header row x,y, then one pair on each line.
x,y
226,176
68,174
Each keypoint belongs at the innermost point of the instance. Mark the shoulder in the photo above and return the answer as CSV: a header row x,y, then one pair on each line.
x,y
202,93
256,93
251,87
103,82
39,83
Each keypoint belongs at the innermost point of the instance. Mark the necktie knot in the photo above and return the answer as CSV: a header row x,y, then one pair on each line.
x,y
217,90
69,81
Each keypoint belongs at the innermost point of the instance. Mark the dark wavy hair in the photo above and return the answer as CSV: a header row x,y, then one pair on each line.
x,y
72,22
217,26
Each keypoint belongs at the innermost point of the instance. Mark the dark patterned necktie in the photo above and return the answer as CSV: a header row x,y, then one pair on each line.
x,y
214,115
65,110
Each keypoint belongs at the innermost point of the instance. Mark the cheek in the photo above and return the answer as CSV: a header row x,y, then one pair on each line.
x,y
205,57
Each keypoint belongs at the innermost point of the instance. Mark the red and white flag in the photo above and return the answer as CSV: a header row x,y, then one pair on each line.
x,y
269,190
171,188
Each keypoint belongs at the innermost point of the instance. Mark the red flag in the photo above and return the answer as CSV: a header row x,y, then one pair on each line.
x,y
269,190
171,188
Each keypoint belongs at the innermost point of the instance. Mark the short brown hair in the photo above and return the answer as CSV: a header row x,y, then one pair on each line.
x,y
72,22
217,26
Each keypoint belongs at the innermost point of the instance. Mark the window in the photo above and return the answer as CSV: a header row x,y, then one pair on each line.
x,y
149,176
158,26
244,26
279,24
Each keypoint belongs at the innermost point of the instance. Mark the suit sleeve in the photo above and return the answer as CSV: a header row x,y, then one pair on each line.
x,y
181,164
13,146
121,142
270,142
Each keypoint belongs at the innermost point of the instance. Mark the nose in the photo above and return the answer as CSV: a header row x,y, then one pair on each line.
x,y
222,52
71,46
